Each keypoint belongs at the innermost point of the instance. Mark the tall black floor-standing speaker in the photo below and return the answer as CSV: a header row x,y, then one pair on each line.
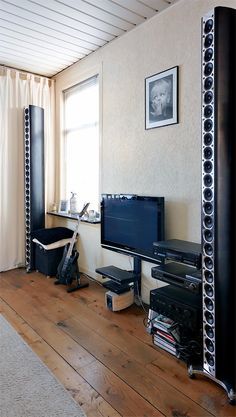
x,y
34,177
218,198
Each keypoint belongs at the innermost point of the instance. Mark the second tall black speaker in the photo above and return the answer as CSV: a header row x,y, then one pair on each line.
x,y
34,177
218,197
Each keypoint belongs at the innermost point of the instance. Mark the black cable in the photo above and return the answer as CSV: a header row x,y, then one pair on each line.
x,y
91,278
188,349
139,297
147,322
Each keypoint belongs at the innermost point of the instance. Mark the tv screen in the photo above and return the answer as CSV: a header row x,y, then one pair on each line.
x,y
131,223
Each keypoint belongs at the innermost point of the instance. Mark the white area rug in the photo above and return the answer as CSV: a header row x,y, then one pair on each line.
x,y
27,387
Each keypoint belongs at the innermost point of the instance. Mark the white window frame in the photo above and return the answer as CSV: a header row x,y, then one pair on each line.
x,y
63,161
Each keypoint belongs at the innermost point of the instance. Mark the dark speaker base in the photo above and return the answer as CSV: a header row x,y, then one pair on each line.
x,y
192,371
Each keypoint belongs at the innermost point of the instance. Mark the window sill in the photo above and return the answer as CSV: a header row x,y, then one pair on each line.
x,y
72,217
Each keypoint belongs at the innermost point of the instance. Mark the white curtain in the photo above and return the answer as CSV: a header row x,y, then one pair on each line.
x,y
18,90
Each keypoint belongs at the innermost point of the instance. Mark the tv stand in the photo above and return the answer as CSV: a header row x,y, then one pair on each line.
x,y
122,277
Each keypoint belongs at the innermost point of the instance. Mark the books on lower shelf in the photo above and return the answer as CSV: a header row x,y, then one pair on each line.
x,y
165,333
169,347
167,326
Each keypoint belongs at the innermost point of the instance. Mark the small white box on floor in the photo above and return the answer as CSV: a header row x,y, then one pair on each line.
x,y
117,302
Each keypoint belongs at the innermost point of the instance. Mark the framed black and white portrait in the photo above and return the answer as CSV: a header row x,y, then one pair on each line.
x,y
161,99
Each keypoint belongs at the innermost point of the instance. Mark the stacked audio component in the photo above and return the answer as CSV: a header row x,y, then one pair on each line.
x,y
218,198
177,273
181,301
184,309
177,304
34,177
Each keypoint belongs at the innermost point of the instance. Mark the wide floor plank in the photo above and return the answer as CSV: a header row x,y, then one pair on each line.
x,y
106,360
92,403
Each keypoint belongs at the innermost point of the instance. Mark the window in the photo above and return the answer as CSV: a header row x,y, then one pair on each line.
x,y
81,142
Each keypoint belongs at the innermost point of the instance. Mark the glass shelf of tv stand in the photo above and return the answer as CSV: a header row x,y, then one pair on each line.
x,y
72,217
119,275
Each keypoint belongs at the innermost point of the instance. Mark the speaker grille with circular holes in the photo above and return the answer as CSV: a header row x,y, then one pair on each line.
x,y
208,195
27,189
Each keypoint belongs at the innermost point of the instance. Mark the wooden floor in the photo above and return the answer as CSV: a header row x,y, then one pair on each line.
x,y
105,360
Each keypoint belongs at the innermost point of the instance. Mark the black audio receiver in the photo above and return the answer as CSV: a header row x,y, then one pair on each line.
x,y
178,304
181,275
178,250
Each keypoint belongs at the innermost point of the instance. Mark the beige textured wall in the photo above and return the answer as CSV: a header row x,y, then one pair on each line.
x,y
164,161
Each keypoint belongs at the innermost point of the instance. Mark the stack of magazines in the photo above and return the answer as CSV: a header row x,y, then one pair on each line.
x,y
165,333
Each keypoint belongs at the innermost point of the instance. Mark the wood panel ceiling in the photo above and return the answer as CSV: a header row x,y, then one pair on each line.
x,y
47,36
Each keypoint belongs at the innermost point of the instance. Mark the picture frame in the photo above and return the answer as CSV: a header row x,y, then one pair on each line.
x,y
161,99
63,206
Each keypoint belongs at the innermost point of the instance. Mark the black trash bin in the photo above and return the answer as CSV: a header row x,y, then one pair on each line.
x,y
49,248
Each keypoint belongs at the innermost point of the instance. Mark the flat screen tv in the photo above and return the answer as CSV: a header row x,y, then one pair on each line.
x,y
131,223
